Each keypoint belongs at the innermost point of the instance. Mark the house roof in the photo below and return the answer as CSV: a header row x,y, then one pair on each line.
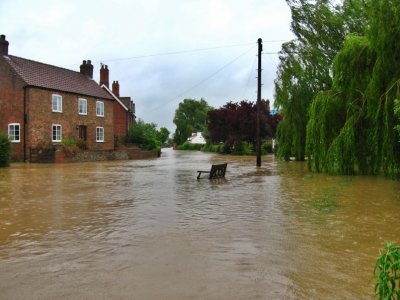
x,y
115,97
51,77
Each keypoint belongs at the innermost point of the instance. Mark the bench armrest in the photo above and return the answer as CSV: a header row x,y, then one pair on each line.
x,y
200,172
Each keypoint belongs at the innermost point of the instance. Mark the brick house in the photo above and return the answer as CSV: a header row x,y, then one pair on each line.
x,y
124,107
41,105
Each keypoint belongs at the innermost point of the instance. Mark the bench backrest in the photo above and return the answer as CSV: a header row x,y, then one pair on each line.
x,y
218,171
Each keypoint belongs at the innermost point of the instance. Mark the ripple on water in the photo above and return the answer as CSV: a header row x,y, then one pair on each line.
x,y
270,232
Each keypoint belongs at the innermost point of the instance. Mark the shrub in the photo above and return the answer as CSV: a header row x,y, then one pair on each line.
x,y
387,273
5,150
81,144
145,135
190,146
266,147
242,148
68,142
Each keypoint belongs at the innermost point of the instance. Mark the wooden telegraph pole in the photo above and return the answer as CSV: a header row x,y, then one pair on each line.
x,y
258,140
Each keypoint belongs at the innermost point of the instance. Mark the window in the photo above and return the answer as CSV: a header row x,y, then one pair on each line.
x,y
56,133
14,132
99,134
57,103
82,106
99,108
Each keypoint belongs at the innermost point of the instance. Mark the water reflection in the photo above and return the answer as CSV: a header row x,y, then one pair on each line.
x,y
149,230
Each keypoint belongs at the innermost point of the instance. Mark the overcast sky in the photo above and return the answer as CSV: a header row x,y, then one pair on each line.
x,y
160,51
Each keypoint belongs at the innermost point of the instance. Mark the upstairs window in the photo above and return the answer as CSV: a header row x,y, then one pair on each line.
x,y
14,132
99,134
56,133
57,103
82,106
99,108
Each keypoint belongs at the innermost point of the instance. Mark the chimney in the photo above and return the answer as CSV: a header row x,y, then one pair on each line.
x,y
115,88
104,75
87,68
3,45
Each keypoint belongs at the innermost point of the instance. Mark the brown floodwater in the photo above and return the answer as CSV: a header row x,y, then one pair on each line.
x,y
149,230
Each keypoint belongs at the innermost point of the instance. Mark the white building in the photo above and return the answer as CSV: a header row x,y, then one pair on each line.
x,y
197,138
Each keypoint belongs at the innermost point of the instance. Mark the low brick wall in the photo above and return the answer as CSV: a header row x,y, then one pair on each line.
x,y
67,155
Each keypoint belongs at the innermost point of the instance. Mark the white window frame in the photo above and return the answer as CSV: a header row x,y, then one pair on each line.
x,y
11,133
99,134
55,126
82,106
99,108
56,103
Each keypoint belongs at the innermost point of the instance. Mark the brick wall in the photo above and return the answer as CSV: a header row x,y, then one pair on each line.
x,y
41,118
120,120
11,105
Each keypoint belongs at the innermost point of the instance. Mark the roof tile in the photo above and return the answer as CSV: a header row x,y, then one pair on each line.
x,y
51,77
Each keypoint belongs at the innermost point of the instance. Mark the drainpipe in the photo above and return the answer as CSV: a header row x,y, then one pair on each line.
x,y
25,119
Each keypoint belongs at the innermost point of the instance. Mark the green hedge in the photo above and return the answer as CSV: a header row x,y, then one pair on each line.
x,y
240,148
190,146
5,150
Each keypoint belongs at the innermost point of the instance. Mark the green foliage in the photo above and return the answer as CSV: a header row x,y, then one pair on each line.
x,y
216,148
190,146
68,142
306,64
266,147
344,89
5,150
352,128
145,135
397,117
387,273
191,116
163,135
243,148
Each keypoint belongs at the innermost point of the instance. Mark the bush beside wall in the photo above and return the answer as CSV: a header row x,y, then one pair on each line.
x,y
5,150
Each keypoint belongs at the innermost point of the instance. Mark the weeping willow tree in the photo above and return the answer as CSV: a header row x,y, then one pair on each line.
x,y
306,64
295,93
336,128
352,127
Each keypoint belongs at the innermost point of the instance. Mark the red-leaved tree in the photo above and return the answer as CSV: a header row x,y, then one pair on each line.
x,y
236,122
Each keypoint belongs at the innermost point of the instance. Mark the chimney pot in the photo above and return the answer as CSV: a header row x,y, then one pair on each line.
x,y
86,69
104,76
3,45
115,88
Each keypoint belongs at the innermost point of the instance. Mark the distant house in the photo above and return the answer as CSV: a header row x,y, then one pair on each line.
x,y
197,138
41,105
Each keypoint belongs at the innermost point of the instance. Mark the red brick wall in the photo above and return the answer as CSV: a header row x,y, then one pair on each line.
x,y
11,105
120,120
41,118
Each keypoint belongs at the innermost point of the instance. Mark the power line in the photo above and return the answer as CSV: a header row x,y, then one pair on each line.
x,y
250,75
207,78
185,51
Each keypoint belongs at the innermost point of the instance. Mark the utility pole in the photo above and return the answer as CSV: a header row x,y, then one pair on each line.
x,y
258,140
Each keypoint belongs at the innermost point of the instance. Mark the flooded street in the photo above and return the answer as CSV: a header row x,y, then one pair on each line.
x,y
149,230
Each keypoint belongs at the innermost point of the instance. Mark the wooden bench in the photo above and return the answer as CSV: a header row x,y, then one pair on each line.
x,y
217,171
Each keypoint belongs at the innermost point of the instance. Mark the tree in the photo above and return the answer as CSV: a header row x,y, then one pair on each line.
x,y
146,135
191,116
353,127
163,135
306,64
236,122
